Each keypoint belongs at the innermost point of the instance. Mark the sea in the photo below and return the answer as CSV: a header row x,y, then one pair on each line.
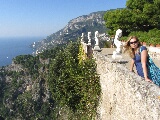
x,y
12,47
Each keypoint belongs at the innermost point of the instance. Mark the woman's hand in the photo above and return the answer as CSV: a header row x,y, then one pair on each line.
x,y
148,80
132,70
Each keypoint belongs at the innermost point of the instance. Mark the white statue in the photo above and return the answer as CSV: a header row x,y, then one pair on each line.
x,y
96,38
89,38
82,37
117,42
119,45
96,47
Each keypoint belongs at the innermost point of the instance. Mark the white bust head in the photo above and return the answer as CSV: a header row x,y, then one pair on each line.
x,y
96,34
89,35
119,33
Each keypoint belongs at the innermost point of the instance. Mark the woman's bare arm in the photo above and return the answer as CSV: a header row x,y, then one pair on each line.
x,y
132,65
144,55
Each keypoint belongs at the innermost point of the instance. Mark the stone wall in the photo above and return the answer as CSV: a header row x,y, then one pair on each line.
x,y
125,95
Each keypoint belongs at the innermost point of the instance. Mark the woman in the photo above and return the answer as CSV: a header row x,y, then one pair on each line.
x,y
139,55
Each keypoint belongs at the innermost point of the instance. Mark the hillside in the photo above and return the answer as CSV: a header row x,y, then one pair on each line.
x,y
52,85
75,27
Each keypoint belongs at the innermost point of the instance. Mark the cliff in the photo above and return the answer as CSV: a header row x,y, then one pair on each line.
x,y
73,30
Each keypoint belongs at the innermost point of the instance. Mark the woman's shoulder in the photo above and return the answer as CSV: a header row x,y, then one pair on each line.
x,y
143,48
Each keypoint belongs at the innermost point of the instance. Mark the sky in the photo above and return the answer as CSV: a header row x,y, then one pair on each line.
x,y
27,18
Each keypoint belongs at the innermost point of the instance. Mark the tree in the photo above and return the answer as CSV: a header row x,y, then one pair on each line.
x,y
138,15
118,19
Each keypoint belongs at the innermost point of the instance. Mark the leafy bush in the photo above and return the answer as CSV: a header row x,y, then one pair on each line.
x,y
151,37
74,84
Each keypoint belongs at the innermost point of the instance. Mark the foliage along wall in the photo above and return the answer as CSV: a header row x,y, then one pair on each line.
x,y
74,82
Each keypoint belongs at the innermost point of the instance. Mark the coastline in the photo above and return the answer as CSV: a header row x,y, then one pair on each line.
x,y
12,47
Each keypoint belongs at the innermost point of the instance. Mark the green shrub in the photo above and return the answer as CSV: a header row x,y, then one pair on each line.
x,y
74,84
150,37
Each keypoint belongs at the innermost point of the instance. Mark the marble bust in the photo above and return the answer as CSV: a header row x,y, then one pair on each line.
x,y
96,47
117,42
89,38
96,38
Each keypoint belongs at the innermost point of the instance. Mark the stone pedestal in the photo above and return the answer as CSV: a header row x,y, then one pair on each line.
x,y
116,56
89,51
97,48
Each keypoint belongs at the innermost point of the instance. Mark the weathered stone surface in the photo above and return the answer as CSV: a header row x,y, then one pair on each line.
x,y
125,95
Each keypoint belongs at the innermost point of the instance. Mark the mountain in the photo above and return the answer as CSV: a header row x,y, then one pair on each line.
x,y
73,30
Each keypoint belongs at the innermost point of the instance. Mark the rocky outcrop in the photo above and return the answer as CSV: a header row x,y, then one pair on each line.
x,y
75,27
23,84
82,21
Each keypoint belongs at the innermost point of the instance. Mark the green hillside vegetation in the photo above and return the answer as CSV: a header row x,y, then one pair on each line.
x,y
150,37
63,86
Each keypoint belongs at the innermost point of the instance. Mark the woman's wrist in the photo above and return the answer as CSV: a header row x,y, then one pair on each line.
x,y
132,70
146,77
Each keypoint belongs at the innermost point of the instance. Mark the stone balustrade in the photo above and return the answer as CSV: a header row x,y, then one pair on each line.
x,y
125,95
154,52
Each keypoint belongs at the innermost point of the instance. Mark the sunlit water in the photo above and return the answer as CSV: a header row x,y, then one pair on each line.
x,y
12,47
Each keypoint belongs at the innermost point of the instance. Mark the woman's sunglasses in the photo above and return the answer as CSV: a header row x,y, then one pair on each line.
x,y
133,42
